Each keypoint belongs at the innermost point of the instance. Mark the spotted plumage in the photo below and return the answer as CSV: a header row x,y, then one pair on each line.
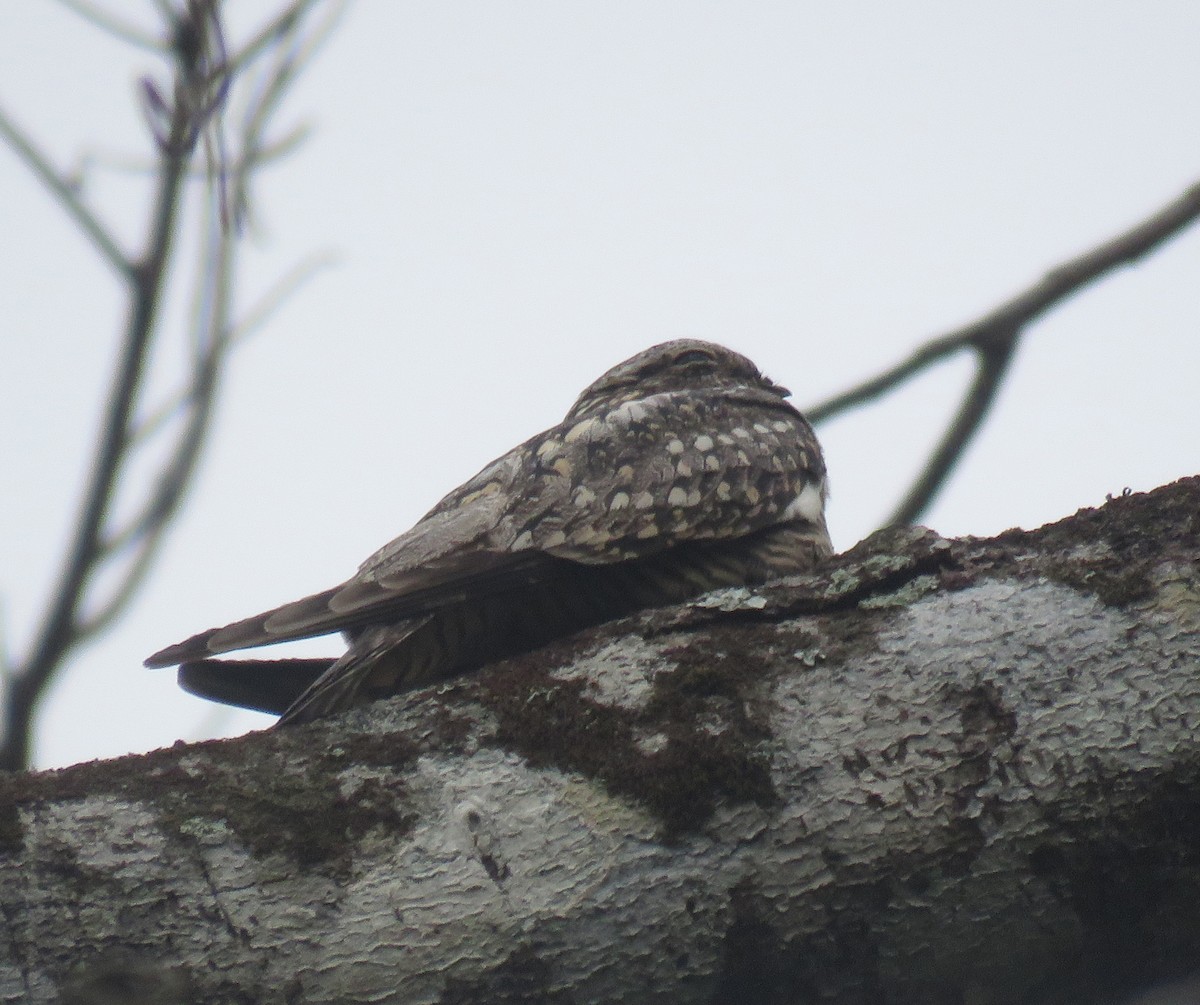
x,y
678,471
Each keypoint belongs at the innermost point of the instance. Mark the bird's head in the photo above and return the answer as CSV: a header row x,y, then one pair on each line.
x,y
681,365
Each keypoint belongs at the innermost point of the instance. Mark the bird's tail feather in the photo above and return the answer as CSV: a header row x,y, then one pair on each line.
x,y
263,685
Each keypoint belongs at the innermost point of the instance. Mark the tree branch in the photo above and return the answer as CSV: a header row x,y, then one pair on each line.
x,y
201,87
66,196
991,365
215,336
994,339
936,771
254,320
115,26
59,632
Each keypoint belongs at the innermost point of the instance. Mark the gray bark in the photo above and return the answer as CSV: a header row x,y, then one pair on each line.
x,y
939,771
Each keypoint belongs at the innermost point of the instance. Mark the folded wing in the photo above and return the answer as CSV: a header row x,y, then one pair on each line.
x,y
641,479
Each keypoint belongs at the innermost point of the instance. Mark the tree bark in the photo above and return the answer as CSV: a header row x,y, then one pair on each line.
x,y
939,771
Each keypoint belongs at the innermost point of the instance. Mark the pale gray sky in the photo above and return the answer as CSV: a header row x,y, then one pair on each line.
x,y
523,194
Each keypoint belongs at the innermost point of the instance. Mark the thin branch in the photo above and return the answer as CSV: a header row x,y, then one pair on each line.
x,y
182,116
66,196
173,480
114,26
59,632
289,61
140,434
875,387
316,39
995,337
281,25
992,365
215,338
266,154
1055,286
147,531
90,626
56,634
282,291
268,35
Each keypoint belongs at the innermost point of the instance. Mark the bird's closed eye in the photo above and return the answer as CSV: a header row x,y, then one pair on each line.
x,y
694,356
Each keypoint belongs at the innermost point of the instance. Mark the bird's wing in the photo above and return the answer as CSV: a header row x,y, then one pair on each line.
x,y
646,476
444,554
663,470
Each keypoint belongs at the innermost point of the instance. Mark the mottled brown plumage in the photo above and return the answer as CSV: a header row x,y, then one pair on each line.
x,y
680,470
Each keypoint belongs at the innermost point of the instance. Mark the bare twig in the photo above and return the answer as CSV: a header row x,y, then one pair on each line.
x,y
186,120
283,290
88,626
66,195
994,339
147,532
165,10
277,149
59,631
214,335
989,374
284,24
115,26
290,61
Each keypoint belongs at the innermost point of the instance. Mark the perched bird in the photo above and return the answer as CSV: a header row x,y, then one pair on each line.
x,y
681,470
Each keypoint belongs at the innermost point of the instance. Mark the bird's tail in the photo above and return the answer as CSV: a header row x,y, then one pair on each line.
x,y
263,685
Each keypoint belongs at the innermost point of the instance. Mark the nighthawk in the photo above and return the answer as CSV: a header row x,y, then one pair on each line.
x,y
681,470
